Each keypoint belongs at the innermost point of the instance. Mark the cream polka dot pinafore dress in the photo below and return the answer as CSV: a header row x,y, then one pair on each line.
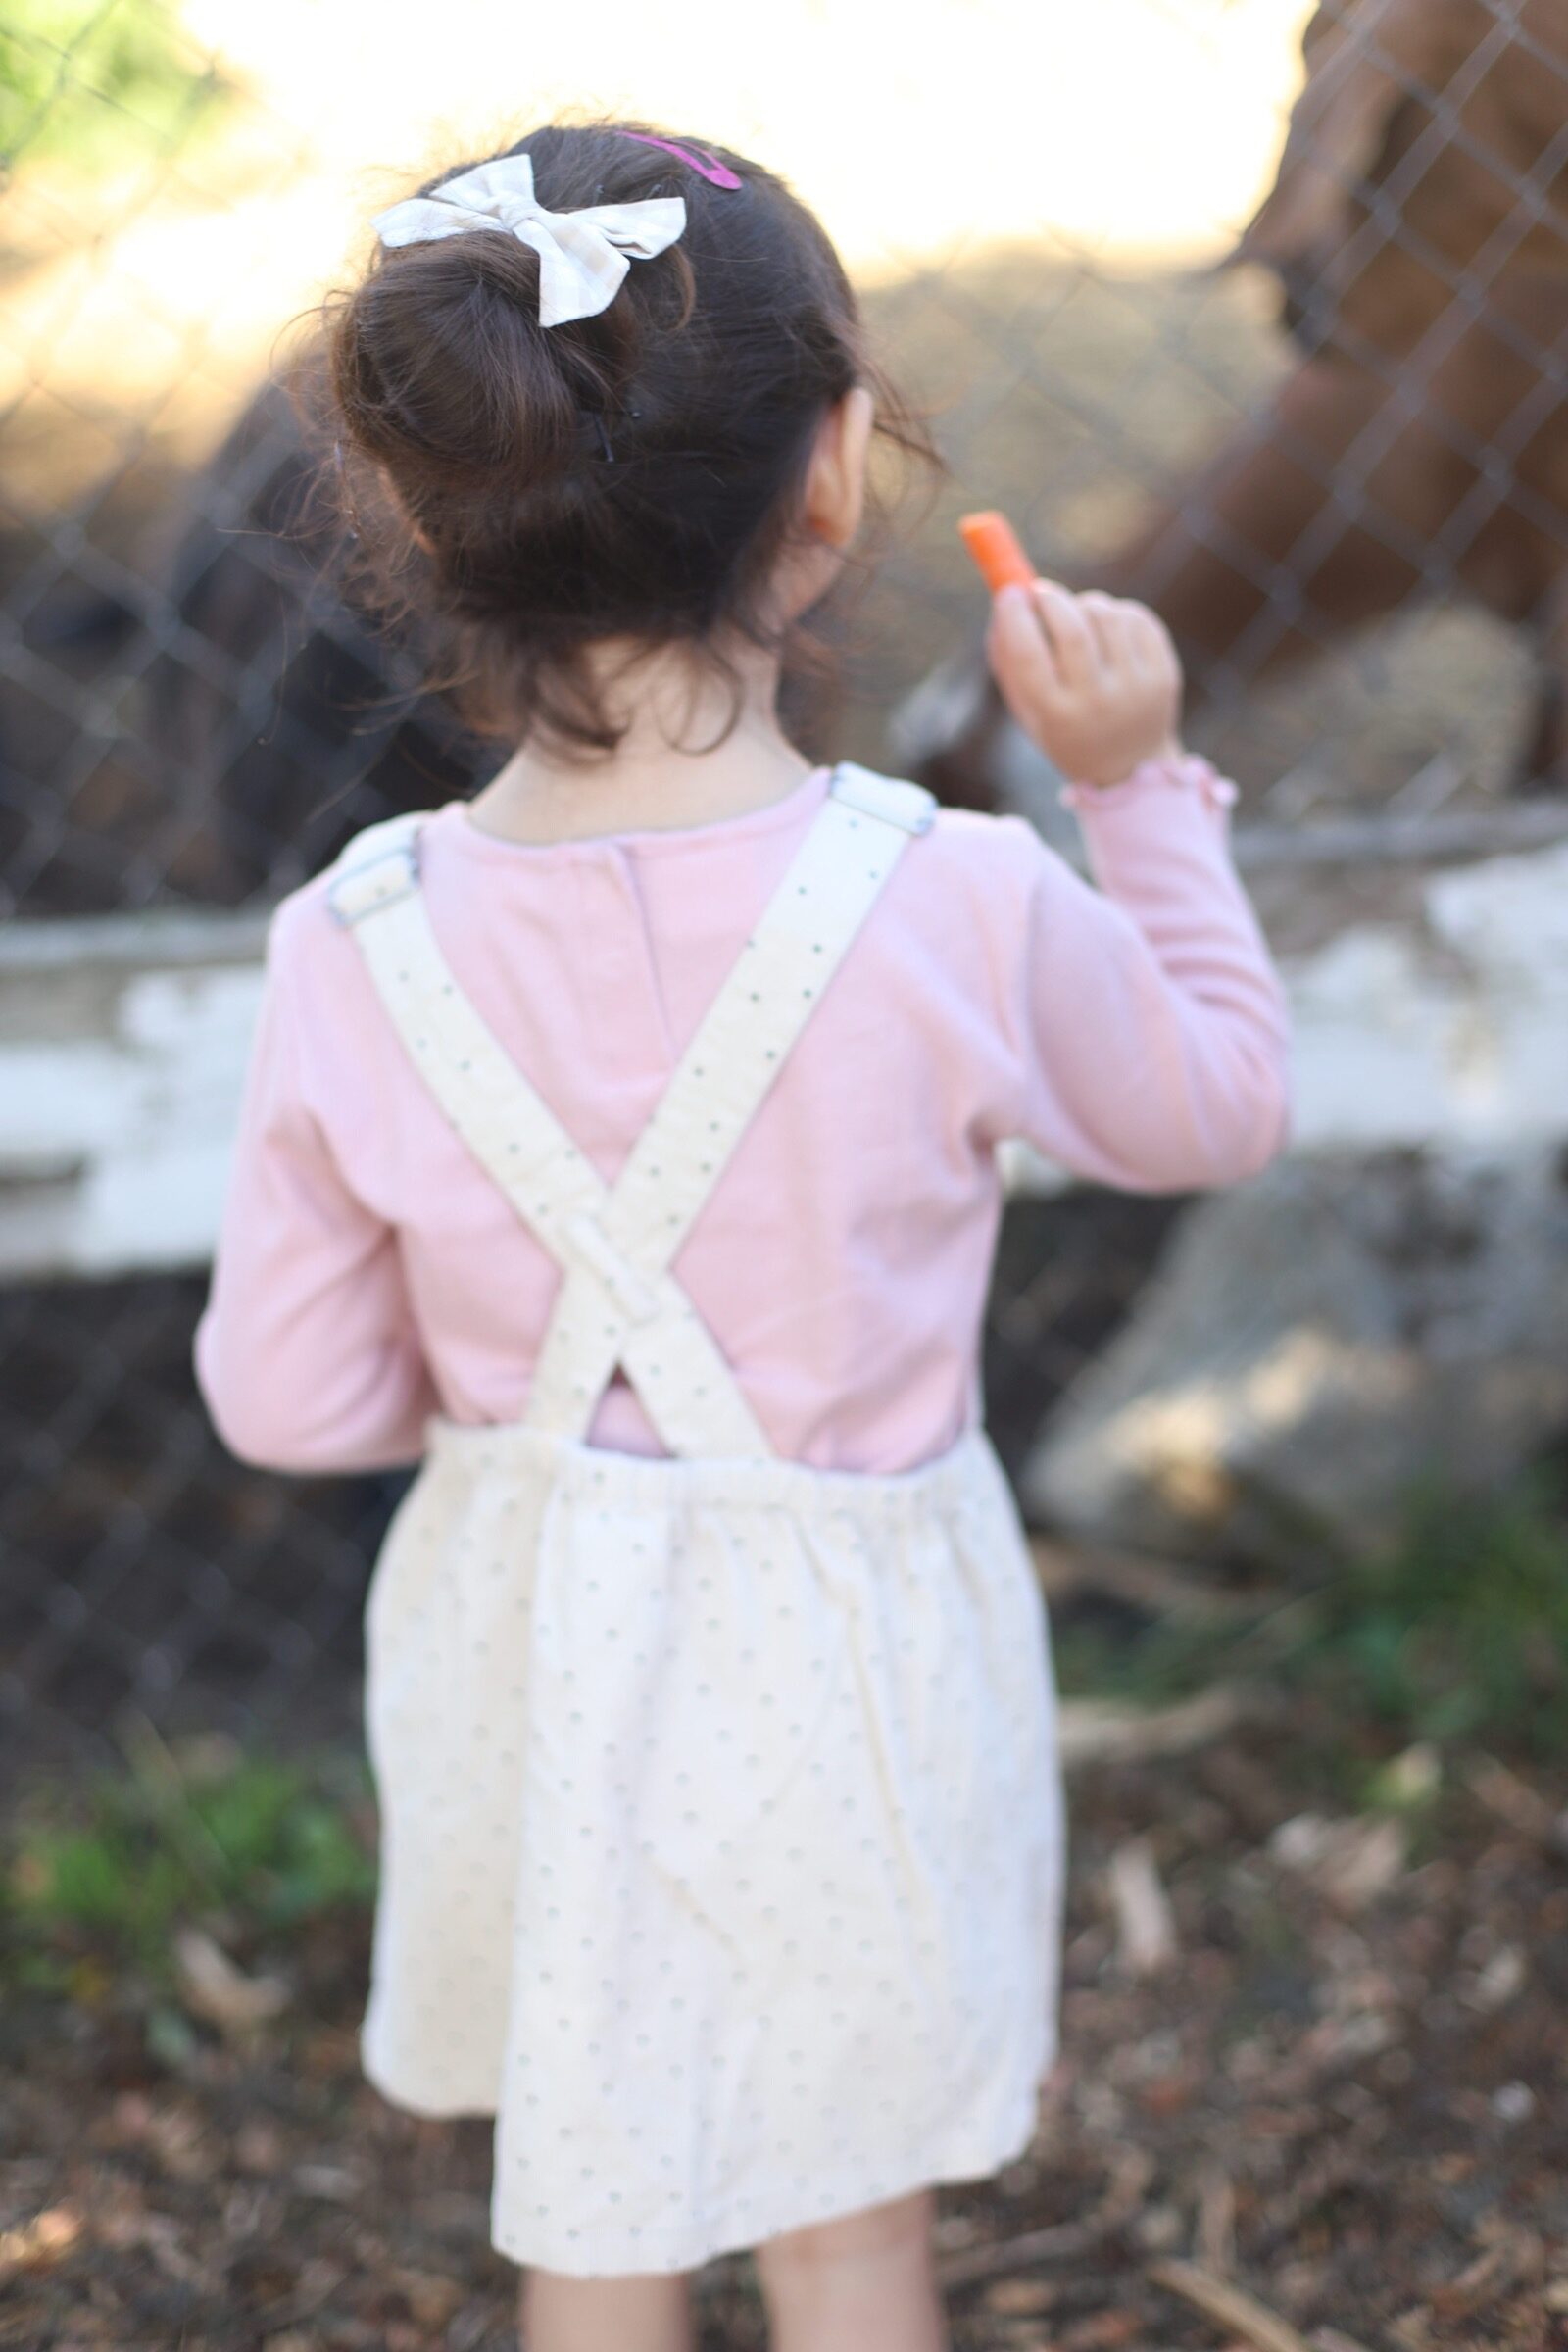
x,y
721,1827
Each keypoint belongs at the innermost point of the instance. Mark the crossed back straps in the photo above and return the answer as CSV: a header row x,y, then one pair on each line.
x,y
618,1304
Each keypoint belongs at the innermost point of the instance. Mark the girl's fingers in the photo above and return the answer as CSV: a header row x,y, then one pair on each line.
x,y
1149,638
1105,617
1067,631
1019,650
1089,677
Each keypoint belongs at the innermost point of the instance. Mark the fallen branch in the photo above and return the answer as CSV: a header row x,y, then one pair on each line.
x,y
1343,2166
1241,2312
1064,2239
1143,1579
1092,1731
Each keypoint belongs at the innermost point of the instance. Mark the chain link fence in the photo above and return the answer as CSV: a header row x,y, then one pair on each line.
x,y
1341,471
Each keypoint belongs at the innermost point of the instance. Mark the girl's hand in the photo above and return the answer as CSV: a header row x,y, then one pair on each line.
x,y
1094,681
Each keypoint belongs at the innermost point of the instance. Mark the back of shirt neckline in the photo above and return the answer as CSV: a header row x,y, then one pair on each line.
x,y
800,800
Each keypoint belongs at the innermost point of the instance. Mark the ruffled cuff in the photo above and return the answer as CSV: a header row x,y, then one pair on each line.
x,y
1189,772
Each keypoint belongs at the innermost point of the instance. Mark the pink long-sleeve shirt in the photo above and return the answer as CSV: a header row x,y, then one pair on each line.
x,y
370,1274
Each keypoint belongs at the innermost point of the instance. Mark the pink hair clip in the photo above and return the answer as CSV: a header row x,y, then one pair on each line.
x,y
706,166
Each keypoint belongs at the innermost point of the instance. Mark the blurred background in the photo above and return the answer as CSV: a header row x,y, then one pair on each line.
x,y
1255,310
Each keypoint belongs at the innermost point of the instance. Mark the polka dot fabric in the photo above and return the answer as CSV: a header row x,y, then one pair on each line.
x,y
721,1831
721,1837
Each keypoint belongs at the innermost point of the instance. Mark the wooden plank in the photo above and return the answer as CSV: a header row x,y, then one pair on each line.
x,y
124,1042
1441,1031
1414,840
122,1047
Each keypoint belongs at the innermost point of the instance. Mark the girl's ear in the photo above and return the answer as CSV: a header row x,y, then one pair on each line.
x,y
835,479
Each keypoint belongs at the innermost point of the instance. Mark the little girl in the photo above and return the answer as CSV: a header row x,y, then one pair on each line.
x,y
623,1145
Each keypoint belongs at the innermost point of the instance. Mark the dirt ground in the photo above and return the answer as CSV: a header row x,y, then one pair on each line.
x,y
1314,2094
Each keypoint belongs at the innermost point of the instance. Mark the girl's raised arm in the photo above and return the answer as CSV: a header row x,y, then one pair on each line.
x,y
1150,1020
1149,1025
307,1355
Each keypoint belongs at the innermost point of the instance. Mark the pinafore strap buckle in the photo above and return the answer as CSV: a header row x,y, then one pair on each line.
x,y
378,868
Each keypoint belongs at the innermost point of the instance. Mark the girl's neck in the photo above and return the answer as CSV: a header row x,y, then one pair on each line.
x,y
647,785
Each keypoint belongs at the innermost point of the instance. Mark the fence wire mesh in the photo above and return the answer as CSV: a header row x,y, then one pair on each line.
x,y
1341,471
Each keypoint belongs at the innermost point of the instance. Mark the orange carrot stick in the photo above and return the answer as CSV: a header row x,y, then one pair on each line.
x,y
996,551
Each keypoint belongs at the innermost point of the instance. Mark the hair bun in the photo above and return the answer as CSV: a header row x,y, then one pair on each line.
x,y
634,473
445,373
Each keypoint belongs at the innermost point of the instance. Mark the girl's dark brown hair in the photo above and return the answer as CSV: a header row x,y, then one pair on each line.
x,y
520,492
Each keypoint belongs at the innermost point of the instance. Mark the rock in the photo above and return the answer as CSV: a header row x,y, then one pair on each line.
x,y
1312,1347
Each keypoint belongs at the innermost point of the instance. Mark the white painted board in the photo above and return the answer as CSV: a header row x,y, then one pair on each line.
x,y
123,1042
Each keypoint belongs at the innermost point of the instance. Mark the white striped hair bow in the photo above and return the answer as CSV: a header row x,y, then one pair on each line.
x,y
583,255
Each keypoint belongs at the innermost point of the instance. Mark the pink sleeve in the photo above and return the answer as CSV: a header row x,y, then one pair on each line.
x,y
307,1355
1148,1018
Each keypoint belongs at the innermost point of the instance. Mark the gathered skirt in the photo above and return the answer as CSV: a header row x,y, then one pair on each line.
x,y
722,1836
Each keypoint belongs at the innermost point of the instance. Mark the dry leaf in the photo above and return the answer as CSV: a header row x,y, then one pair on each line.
x,y
215,1989
334,2183
1104,2331
1513,1800
431,2296
1146,1925
1350,1862
1502,1977
32,2245
1020,2298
